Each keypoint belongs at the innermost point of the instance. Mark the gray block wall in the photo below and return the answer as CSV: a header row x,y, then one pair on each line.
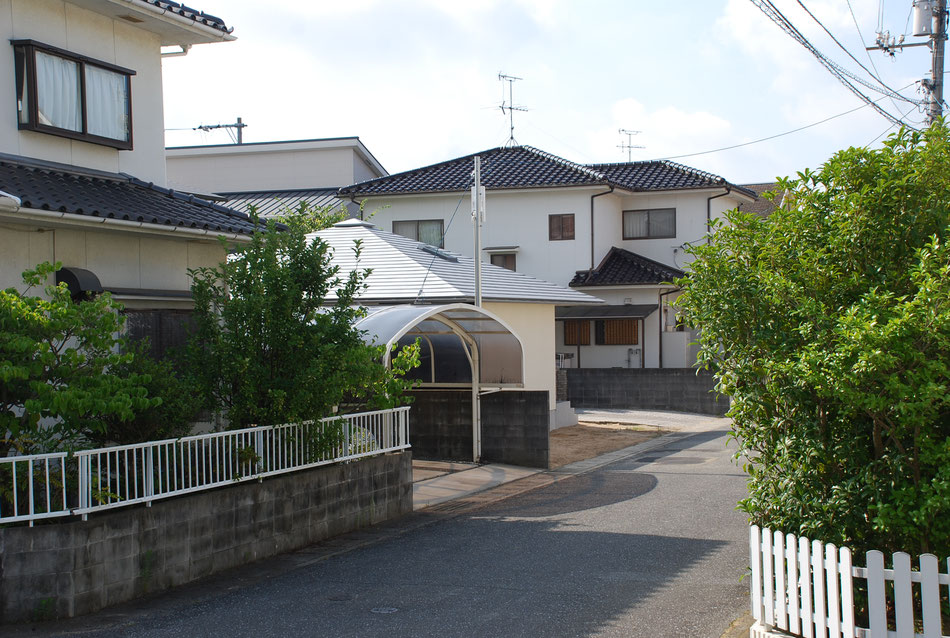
x,y
515,426
678,389
71,568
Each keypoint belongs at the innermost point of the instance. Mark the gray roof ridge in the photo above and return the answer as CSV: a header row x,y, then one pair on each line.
x,y
581,168
279,191
187,197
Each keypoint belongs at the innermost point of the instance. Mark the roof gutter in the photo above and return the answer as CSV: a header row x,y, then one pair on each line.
x,y
187,23
145,227
592,197
709,209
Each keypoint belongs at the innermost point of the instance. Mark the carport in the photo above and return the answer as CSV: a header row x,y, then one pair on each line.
x,y
462,346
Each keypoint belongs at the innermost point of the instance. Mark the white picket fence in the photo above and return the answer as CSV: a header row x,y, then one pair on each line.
x,y
35,487
807,588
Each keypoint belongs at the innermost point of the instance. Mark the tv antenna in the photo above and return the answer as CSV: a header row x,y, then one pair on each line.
x,y
239,126
510,107
629,146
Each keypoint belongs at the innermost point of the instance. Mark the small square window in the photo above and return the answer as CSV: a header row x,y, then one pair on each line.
x,y
561,227
70,95
428,231
649,224
505,260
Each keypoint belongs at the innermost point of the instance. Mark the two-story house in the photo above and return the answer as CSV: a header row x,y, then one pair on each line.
x,y
273,176
617,231
82,156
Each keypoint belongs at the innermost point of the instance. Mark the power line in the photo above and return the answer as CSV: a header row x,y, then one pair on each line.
x,y
772,137
841,46
843,76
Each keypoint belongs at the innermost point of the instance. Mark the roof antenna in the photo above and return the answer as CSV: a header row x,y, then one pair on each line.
x,y
629,146
239,125
510,107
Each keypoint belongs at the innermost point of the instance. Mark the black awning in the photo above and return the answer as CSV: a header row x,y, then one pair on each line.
x,y
622,311
81,282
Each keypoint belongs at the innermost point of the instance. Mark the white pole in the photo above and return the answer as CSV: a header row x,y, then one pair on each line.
x,y
477,212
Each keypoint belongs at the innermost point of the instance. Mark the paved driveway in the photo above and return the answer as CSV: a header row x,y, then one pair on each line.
x,y
643,546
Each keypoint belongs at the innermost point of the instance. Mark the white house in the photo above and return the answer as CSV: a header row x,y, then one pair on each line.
x,y
406,272
616,230
272,176
82,156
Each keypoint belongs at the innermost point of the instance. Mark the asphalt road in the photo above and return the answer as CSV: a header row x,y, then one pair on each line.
x,y
648,546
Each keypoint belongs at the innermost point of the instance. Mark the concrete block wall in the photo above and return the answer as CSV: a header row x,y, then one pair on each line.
x,y
679,389
560,382
71,568
515,426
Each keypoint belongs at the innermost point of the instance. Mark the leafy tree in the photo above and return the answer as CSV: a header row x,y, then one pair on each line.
x,y
828,324
170,418
59,367
268,348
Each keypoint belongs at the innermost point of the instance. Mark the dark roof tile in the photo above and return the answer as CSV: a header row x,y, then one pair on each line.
x,y
623,268
528,167
77,191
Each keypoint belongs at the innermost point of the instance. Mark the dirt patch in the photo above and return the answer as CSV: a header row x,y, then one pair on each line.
x,y
587,440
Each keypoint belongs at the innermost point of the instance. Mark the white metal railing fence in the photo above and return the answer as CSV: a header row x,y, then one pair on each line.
x,y
38,486
808,588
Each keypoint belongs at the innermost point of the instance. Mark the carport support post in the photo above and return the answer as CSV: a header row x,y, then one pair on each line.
x,y
476,407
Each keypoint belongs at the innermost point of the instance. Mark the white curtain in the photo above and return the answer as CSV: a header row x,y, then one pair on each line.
x,y
636,223
663,222
107,103
430,232
57,92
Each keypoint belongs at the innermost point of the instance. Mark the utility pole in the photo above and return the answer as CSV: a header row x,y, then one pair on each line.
x,y
939,39
478,216
239,125
930,20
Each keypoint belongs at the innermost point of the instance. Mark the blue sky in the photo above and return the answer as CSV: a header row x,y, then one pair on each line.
x,y
417,80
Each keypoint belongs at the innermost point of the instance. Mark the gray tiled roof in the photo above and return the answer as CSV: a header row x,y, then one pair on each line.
x,y
199,17
528,167
621,267
89,193
277,202
403,271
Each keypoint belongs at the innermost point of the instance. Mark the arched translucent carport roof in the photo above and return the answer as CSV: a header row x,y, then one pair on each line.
x,y
487,340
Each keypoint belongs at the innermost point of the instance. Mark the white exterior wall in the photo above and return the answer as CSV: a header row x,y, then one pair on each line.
x,y
690,225
534,324
521,218
84,32
512,218
268,166
118,258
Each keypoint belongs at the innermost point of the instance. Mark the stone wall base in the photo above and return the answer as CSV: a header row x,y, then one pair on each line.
x,y
72,568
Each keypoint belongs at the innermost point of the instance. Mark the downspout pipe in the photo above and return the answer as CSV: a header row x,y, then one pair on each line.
x,y
660,308
709,209
592,198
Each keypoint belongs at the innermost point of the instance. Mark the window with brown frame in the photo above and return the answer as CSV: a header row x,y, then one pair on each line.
x,y
615,332
577,332
561,226
505,260
71,95
655,223
428,231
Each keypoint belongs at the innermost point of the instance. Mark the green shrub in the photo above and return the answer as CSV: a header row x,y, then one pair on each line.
x,y
829,326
